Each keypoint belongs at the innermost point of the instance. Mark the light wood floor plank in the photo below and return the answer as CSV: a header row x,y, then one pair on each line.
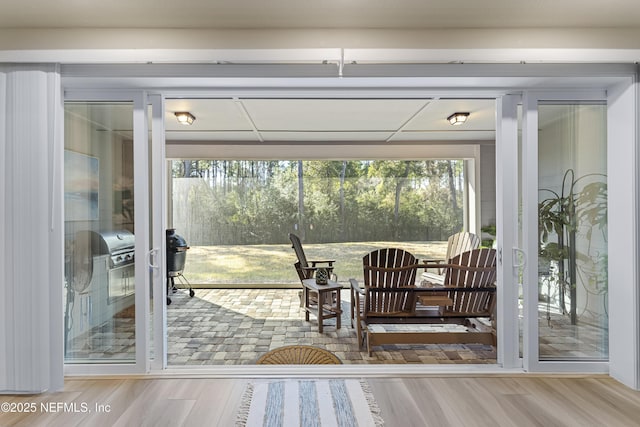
x,y
396,401
520,400
600,405
561,404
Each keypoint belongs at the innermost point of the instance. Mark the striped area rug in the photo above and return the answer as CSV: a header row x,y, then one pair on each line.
x,y
309,403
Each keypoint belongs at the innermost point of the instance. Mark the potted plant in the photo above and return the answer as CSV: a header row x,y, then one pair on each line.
x,y
560,215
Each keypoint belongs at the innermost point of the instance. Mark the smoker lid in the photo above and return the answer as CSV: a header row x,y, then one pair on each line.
x,y
108,242
175,241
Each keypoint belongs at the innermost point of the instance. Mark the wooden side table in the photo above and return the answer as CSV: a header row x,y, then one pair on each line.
x,y
326,308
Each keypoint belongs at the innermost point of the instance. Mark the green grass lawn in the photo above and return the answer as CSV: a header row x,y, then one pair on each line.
x,y
273,264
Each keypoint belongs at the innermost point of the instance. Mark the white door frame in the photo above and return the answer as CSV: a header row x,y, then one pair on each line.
x,y
507,230
532,360
616,77
158,215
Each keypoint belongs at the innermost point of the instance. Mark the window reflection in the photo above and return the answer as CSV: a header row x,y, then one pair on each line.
x,y
99,233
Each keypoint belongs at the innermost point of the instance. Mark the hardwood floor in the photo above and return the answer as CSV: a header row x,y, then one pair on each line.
x,y
520,400
507,401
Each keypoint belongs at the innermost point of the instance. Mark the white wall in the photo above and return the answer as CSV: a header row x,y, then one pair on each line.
x,y
458,38
622,157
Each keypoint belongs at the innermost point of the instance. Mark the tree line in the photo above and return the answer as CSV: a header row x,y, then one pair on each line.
x,y
231,202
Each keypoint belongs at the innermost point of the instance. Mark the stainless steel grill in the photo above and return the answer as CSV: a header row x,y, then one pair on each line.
x,y
118,244
109,256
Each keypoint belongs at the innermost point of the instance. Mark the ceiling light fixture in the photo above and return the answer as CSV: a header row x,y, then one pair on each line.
x,y
185,117
458,118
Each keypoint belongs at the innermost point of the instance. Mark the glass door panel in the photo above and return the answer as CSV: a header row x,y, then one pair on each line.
x,y
572,231
521,261
99,309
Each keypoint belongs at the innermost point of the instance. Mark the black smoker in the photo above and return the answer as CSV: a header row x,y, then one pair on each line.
x,y
176,257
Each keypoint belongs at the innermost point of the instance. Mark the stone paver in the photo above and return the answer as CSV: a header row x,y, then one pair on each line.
x,y
236,326
248,322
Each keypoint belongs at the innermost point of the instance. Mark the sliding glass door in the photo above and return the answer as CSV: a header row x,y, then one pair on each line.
x,y
558,184
107,248
564,229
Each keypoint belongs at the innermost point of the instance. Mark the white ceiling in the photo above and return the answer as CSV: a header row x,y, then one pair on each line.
x,y
329,120
284,14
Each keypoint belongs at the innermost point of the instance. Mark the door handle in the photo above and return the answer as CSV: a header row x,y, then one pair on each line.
x,y
151,255
523,257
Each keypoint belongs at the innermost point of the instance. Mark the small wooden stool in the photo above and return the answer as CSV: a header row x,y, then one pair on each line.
x,y
327,307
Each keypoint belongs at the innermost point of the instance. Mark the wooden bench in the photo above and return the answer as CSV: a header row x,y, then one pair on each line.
x,y
431,322
424,333
468,293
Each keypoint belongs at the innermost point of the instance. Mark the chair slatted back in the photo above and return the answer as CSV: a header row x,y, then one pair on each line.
x,y
461,242
297,247
302,262
476,269
384,269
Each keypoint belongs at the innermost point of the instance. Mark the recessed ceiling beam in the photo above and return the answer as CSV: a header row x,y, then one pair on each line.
x,y
408,121
245,113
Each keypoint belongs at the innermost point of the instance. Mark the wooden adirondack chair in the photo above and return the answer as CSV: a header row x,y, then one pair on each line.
x,y
385,270
456,244
469,288
306,269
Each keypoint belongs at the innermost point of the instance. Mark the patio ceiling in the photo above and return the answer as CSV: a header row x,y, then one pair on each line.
x,y
329,120
316,121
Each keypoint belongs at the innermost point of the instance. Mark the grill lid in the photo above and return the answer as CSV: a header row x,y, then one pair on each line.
x,y
112,242
118,244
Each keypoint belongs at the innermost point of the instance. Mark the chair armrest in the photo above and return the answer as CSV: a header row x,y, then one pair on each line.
x,y
330,262
355,287
314,268
435,289
333,276
467,268
356,304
